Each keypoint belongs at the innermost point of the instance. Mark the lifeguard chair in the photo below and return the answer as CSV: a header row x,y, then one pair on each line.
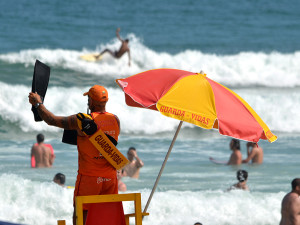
x,y
109,203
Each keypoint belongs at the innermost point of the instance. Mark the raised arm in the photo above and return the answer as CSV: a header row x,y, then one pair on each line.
x,y
118,35
248,148
68,123
250,156
138,160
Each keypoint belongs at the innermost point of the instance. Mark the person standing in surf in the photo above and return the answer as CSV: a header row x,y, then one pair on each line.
x,y
41,154
96,176
133,168
290,205
236,155
256,154
123,49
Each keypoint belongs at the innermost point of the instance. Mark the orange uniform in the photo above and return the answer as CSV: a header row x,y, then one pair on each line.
x,y
95,174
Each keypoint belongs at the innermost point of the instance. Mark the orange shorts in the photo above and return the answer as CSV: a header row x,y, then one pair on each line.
x,y
87,185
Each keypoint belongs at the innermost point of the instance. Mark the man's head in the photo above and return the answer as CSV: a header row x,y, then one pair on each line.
x,y
97,93
235,144
296,185
60,179
130,153
127,40
40,138
198,223
242,175
98,96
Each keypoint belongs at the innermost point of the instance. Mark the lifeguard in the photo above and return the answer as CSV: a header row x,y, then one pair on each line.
x,y
96,175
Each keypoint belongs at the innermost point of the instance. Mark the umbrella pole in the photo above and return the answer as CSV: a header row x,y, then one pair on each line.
x,y
163,166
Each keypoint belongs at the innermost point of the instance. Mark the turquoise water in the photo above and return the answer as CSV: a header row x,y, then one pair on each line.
x,y
250,46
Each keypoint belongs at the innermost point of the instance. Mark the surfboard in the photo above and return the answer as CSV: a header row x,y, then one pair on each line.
x,y
91,57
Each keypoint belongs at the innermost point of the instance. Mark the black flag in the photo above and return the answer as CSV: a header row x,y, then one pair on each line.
x,y
41,75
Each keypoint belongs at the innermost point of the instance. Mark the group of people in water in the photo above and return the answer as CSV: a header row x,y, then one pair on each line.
x,y
255,154
290,205
42,156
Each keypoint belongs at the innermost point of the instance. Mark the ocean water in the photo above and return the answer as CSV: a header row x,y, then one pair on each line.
x,y
251,47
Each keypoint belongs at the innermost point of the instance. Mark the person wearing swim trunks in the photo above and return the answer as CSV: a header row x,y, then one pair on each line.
x,y
96,176
123,49
290,205
242,177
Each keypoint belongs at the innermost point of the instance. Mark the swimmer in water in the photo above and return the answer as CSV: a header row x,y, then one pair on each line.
x,y
242,177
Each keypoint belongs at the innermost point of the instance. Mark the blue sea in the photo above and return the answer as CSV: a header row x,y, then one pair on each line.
x,y
252,47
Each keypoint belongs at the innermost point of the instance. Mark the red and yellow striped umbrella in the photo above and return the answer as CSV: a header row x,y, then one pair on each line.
x,y
194,98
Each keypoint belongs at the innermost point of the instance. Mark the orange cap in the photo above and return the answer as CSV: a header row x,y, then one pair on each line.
x,y
97,93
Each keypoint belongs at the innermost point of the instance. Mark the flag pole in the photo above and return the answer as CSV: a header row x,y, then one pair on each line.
x,y
163,166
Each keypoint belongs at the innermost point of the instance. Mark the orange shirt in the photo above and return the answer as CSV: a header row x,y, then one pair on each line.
x,y
90,160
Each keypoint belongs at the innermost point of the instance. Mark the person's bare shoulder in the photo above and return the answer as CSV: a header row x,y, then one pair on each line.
x,y
289,198
285,198
35,147
255,149
33,150
46,149
294,198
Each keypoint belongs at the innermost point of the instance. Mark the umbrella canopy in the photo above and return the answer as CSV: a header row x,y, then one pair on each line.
x,y
194,98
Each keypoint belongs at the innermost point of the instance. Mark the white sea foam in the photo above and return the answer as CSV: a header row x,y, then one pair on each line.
x,y
27,202
214,207
246,68
278,108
